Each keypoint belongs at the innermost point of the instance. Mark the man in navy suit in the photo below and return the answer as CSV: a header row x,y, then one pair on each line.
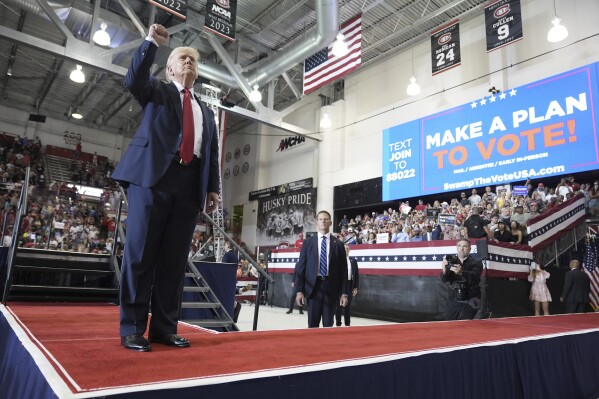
x,y
321,274
168,185
353,281
577,288
230,255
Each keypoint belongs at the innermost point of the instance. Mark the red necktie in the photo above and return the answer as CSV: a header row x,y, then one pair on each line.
x,y
186,150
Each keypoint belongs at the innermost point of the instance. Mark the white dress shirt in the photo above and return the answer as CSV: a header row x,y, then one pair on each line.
x,y
198,121
348,269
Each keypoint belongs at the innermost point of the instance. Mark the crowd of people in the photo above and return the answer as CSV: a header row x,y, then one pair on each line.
x,y
56,217
93,174
499,215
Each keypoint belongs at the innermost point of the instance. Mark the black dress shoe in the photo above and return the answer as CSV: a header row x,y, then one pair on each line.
x,y
136,342
289,311
301,311
170,340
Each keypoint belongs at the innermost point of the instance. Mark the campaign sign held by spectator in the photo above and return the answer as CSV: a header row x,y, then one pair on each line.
x,y
520,190
544,128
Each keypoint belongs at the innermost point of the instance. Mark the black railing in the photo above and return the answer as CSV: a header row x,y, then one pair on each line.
x,y
10,259
263,275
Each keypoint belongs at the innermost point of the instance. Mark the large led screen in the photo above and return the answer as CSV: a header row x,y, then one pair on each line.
x,y
544,128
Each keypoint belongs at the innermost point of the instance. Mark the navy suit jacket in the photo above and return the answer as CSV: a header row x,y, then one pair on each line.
x,y
577,286
230,257
355,275
308,265
158,137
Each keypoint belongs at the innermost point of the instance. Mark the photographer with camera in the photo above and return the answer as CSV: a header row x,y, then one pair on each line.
x,y
462,272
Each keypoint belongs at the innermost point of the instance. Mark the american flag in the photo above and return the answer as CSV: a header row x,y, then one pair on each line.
x,y
590,267
323,67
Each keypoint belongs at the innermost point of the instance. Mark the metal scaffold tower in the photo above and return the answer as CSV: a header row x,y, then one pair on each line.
x,y
217,215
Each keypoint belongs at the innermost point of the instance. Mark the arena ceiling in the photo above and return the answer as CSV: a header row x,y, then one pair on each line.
x,y
41,42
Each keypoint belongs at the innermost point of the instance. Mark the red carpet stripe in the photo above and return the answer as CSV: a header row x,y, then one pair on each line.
x,y
82,345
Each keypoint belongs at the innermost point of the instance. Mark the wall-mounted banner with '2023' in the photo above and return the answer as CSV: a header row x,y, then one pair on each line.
x,y
544,128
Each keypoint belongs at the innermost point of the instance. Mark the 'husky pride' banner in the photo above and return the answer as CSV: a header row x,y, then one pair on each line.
x,y
283,217
545,128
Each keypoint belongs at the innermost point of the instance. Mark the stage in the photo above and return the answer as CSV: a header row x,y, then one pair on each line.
x,y
72,351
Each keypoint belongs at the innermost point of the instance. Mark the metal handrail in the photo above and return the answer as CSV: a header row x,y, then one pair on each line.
x,y
196,255
237,247
118,232
50,224
4,223
22,207
253,263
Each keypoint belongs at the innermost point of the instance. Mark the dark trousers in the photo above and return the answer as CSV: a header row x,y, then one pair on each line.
x,y
346,311
293,303
160,224
459,310
321,305
575,307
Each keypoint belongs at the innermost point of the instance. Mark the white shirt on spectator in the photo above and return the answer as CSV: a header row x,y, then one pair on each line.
x,y
402,236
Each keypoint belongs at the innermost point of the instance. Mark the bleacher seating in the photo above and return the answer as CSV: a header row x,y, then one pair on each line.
x,y
58,168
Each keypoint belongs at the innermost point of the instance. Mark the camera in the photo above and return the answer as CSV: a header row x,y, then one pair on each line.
x,y
460,289
452,260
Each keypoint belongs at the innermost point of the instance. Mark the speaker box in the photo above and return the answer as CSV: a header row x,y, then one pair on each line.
x,y
482,248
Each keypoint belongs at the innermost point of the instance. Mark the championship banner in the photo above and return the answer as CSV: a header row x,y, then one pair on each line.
x,y
284,217
416,259
176,7
503,23
220,18
545,128
445,47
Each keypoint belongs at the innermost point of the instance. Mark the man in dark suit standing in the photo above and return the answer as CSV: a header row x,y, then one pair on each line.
x,y
577,288
353,280
230,256
171,169
321,274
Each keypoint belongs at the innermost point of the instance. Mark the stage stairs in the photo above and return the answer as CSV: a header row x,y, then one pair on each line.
x,y
59,276
197,295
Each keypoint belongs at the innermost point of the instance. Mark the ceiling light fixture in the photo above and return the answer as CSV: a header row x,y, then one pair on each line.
x,y
77,75
558,32
325,122
130,107
340,48
413,88
9,71
101,37
255,95
77,114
